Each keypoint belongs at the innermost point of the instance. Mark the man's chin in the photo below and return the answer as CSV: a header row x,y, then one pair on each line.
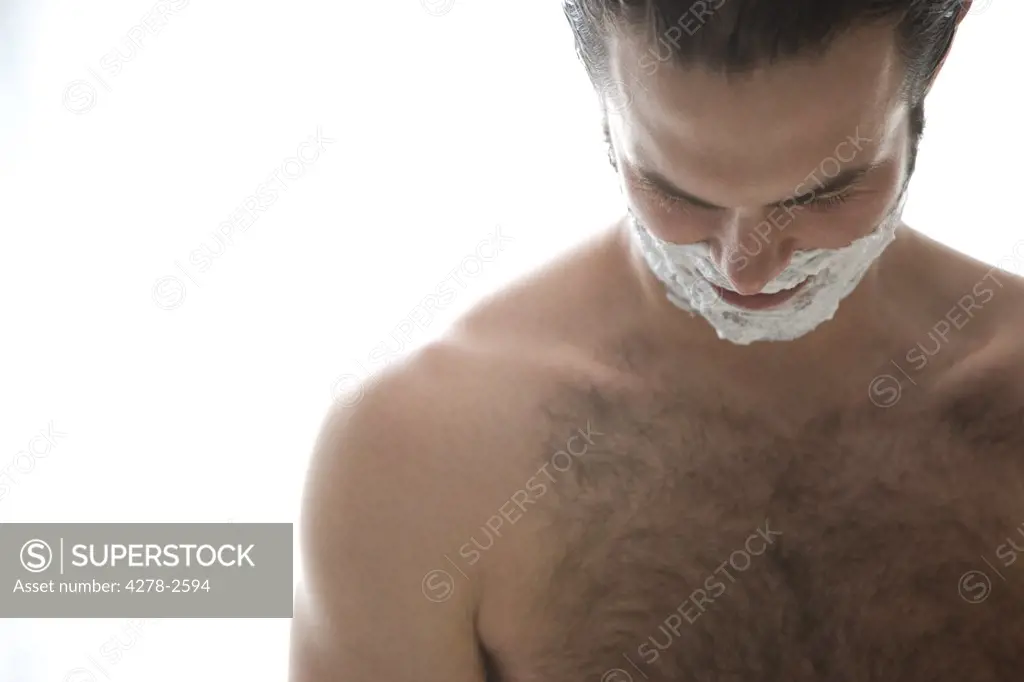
x,y
786,316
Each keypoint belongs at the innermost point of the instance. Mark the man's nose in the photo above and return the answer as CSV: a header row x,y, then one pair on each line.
x,y
753,252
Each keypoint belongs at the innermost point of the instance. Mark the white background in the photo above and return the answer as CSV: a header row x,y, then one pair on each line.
x,y
445,125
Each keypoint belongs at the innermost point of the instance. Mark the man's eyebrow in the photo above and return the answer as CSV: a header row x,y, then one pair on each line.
x,y
836,183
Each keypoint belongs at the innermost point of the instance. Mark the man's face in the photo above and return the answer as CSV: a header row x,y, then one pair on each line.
x,y
800,156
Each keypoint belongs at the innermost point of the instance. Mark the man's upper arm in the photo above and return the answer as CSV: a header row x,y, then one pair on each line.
x,y
372,527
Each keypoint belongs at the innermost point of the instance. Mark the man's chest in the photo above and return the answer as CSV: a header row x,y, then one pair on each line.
x,y
703,544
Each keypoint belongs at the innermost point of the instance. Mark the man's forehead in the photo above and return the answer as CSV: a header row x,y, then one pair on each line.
x,y
706,151
777,119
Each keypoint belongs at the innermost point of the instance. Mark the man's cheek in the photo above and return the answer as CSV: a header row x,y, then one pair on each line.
x,y
655,222
640,205
841,228
632,192
654,215
673,227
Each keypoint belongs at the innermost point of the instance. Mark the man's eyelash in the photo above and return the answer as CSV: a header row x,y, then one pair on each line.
x,y
666,200
832,200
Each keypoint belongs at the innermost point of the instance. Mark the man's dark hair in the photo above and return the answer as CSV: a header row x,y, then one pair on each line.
x,y
735,36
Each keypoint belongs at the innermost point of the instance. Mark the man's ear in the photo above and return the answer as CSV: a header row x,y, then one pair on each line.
x,y
964,8
609,147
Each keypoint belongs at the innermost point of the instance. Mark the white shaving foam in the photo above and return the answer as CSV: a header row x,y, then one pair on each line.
x,y
688,271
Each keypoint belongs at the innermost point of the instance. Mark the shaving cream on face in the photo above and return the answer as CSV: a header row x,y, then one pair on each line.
x,y
688,271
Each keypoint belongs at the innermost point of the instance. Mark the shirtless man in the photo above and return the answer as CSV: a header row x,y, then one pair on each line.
x,y
757,430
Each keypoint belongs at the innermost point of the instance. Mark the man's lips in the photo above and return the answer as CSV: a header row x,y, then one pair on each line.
x,y
758,301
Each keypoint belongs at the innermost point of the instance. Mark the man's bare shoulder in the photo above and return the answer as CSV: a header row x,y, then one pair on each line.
x,y
403,468
949,272
389,491
971,309
984,387
451,422
410,464
580,297
441,404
